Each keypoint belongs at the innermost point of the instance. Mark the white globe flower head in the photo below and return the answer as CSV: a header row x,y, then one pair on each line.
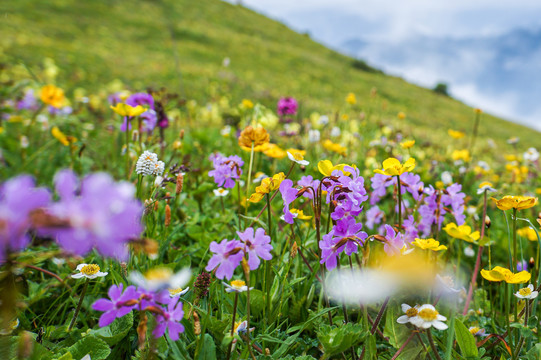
x,y
314,135
447,178
428,317
527,293
335,131
159,167
323,120
146,164
89,271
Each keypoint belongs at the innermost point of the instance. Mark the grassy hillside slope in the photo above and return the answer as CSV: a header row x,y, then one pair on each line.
x,y
181,44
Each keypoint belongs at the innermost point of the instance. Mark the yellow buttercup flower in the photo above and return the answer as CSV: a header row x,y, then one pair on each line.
x,y
52,95
407,144
455,134
463,155
462,232
429,244
326,167
351,99
528,233
337,148
257,136
401,115
267,185
515,202
127,110
60,136
299,214
274,151
502,274
247,104
392,167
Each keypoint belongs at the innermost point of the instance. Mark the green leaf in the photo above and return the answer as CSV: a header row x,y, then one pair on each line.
x,y
465,340
397,333
116,331
336,339
92,345
257,302
534,353
208,352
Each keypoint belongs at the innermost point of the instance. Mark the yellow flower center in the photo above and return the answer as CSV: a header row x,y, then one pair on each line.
x,y
221,191
158,274
298,156
428,314
411,312
525,292
448,281
474,330
90,269
175,291
237,284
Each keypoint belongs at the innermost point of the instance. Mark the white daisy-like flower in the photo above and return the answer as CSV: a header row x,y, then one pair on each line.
x,y
259,177
178,292
89,271
410,312
146,164
513,141
24,142
427,316
225,131
476,331
446,284
220,192
323,120
298,158
531,154
527,293
236,286
12,325
314,135
161,278
485,186
483,165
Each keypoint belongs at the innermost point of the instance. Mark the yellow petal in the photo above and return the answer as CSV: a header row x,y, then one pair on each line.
x,y
325,167
519,278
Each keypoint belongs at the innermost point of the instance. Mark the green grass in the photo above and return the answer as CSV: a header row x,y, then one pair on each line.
x,y
180,44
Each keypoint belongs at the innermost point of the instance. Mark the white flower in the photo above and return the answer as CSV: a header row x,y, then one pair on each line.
x,y
226,62
462,170
297,157
483,165
225,131
476,331
427,316
531,155
335,131
161,278
259,177
446,177
323,120
178,292
314,135
89,271
512,141
446,284
158,181
485,186
158,168
236,286
469,252
24,142
527,293
410,313
220,192
146,164
12,325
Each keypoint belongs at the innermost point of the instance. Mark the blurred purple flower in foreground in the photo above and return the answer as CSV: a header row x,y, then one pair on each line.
x,y
18,199
101,214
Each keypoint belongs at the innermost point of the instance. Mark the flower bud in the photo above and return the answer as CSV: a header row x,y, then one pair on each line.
x,y
180,183
294,250
487,222
167,215
196,324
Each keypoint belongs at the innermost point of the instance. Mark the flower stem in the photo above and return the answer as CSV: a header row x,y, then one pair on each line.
x,y
235,303
399,203
403,346
78,308
249,177
127,148
432,345
515,260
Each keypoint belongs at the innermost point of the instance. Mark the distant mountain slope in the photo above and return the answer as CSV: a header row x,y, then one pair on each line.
x,y
181,44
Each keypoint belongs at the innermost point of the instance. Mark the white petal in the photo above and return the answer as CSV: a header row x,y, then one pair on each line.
x,y
426,325
77,276
530,287
439,325
404,319
427,306
181,278
405,307
80,266
534,294
102,274
441,317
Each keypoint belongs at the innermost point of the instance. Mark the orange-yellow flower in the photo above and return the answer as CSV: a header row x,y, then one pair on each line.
x,y
326,167
337,148
528,233
351,99
401,115
267,185
256,136
455,134
392,167
502,274
462,232
407,144
52,95
274,151
463,155
515,202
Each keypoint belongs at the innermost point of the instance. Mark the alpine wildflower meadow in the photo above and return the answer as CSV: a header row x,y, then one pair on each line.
x,y
137,222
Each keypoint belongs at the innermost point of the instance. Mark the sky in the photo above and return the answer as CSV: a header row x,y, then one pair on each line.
x,y
383,24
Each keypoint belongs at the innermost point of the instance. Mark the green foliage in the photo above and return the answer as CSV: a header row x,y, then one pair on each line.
x,y
116,331
337,339
465,340
441,88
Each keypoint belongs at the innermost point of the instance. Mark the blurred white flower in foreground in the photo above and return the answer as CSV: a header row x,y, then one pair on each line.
x,y
356,286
